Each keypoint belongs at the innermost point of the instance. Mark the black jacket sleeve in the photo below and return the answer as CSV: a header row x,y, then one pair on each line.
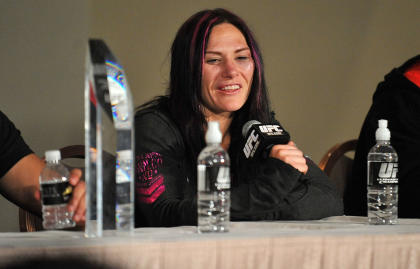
x,y
12,146
164,193
276,190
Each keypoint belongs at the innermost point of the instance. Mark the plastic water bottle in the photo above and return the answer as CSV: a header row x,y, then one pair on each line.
x,y
55,193
125,192
213,170
382,179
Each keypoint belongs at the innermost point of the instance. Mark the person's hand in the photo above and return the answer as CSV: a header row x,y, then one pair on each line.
x,y
77,203
290,154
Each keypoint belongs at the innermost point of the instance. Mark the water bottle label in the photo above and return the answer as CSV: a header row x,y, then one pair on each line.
x,y
123,193
223,178
56,193
201,170
383,173
213,178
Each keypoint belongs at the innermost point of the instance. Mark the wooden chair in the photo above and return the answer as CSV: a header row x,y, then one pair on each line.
x,y
337,163
29,222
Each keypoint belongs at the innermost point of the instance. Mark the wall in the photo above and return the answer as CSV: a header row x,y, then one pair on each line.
x,y
323,60
42,46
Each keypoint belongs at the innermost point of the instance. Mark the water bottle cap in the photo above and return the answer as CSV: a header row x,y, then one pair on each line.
x,y
213,134
52,155
125,154
383,133
382,123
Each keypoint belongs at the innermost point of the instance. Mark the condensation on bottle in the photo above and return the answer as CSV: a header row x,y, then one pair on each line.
x,y
213,176
56,192
382,175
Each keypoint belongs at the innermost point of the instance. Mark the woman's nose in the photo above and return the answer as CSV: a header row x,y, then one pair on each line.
x,y
230,68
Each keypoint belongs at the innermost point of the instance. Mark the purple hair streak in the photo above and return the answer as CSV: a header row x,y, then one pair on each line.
x,y
194,37
204,40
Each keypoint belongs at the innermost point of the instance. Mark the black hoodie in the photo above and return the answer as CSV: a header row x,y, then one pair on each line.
x,y
267,189
397,100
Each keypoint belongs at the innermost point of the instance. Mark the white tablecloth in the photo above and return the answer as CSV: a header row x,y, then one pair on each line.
x,y
336,242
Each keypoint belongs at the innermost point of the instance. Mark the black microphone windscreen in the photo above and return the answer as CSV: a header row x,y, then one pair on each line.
x,y
247,126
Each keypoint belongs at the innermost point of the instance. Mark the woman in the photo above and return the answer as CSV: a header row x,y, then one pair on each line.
x,y
217,74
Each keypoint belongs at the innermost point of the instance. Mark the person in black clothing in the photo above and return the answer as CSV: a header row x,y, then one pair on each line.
x,y
217,75
19,174
396,99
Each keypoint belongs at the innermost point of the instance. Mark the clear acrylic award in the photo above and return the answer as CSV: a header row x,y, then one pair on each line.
x,y
109,140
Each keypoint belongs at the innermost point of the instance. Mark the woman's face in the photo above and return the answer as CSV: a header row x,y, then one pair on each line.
x,y
227,71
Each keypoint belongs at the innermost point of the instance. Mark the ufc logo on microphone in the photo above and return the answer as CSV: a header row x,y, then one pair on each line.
x,y
388,170
270,128
250,147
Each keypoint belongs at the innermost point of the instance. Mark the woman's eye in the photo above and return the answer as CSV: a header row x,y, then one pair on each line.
x,y
243,58
212,61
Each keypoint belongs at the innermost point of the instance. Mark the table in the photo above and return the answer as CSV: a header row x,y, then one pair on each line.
x,y
335,242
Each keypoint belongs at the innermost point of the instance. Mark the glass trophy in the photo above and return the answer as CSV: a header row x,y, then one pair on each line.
x,y
109,140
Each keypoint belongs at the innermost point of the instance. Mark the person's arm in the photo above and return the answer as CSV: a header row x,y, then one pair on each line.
x,y
20,169
21,183
274,190
164,194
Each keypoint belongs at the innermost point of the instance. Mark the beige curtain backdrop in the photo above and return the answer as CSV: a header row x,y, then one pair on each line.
x,y
323,60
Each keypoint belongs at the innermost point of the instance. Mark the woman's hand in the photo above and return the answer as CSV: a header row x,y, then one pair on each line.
x,y
290,154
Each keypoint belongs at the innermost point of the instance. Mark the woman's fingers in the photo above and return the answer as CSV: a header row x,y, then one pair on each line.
x,y
291,155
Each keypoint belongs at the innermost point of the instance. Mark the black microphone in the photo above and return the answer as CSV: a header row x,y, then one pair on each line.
x,y
260,138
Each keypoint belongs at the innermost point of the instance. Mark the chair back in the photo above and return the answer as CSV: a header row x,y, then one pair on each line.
x,y
29,222
337,163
